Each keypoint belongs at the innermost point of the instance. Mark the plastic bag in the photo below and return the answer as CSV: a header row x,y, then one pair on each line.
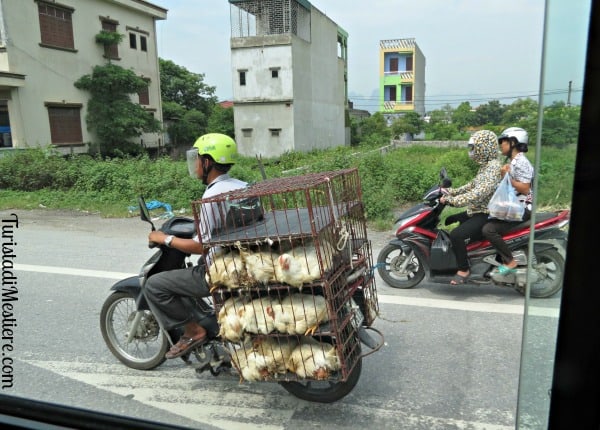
x,y
504,204
442,254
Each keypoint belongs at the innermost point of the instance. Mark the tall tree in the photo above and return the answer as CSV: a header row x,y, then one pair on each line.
x,y
519,111
463,116
410,123
187,102
561,124
187,89
111,114
221,121
489,113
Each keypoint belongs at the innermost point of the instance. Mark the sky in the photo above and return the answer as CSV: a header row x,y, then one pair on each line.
x,y
475,50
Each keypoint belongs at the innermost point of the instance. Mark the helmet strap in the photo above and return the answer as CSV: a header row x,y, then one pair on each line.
x,y
207,166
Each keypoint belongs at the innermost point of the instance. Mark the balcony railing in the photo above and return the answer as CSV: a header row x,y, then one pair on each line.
x,y
407,76
389,105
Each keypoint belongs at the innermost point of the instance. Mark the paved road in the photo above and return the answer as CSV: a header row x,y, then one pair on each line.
x,y
451,358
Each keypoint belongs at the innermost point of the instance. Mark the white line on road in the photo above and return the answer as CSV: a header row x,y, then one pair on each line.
x,y
75,272
236,406
387,299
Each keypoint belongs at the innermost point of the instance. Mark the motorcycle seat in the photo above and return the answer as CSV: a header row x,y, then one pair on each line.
x,y
539,217
180,226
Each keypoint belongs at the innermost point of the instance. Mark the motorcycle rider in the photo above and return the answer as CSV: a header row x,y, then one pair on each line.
x,y
475,195
513,143
210,160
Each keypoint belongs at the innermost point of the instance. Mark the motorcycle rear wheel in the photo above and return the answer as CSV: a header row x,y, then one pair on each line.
x,y
550,268
148,347
324,391
389,262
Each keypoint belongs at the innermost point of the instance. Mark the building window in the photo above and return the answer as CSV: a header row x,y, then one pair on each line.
x,y
390,93
144,95
132,41
247,132
110,51
275,132
56,25
275,72
65,123
143,44
408,95
242,77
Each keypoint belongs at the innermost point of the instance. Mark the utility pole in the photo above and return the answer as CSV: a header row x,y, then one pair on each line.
x,y
569,95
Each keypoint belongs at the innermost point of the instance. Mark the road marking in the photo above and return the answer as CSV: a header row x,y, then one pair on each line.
x,y
75,272
387,299
468,306
226,404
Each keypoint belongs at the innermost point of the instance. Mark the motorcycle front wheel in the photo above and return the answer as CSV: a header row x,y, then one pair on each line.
x,y
398,269
148,346
549,267
324,391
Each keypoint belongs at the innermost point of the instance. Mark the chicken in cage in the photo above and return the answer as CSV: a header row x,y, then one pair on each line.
x,y
266,357
313,359
300,314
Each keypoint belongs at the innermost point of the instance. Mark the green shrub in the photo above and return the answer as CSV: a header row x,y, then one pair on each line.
x,y
388,181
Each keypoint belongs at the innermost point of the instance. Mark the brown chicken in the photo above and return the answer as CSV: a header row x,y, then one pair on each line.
x,y
313,359
300,314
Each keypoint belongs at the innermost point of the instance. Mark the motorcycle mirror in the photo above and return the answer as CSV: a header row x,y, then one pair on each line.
x,y
445,180
144,213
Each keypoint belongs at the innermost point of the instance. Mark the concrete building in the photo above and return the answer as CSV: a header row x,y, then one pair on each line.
x,y
289,68
401,77
45,46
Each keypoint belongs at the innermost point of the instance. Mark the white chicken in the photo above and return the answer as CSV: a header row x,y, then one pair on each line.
x,y
265,358
259,266
231,326
313,359
275,353
301,264
257,316
300,314
225,271
250,364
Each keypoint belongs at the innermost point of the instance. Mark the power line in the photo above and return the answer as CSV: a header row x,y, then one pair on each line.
x,y
491,96
441,100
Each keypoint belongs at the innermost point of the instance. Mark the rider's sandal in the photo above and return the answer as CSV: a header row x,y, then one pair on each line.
x,y
184,345
459,279
504,270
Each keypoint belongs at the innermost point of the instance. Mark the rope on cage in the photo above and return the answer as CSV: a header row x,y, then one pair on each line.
x,y
344,235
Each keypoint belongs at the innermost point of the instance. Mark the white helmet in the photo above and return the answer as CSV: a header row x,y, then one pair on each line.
x,y
518,137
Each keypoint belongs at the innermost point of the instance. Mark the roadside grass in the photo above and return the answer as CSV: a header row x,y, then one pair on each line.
x,y
390,182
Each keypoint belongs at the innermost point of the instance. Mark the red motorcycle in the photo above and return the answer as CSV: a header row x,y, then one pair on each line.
x,y
421,249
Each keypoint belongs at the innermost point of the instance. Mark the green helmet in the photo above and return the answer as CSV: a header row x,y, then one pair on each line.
x,y
220,147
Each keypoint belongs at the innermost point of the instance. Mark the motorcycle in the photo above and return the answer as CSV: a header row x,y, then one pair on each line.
x,y
136,338
414,254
